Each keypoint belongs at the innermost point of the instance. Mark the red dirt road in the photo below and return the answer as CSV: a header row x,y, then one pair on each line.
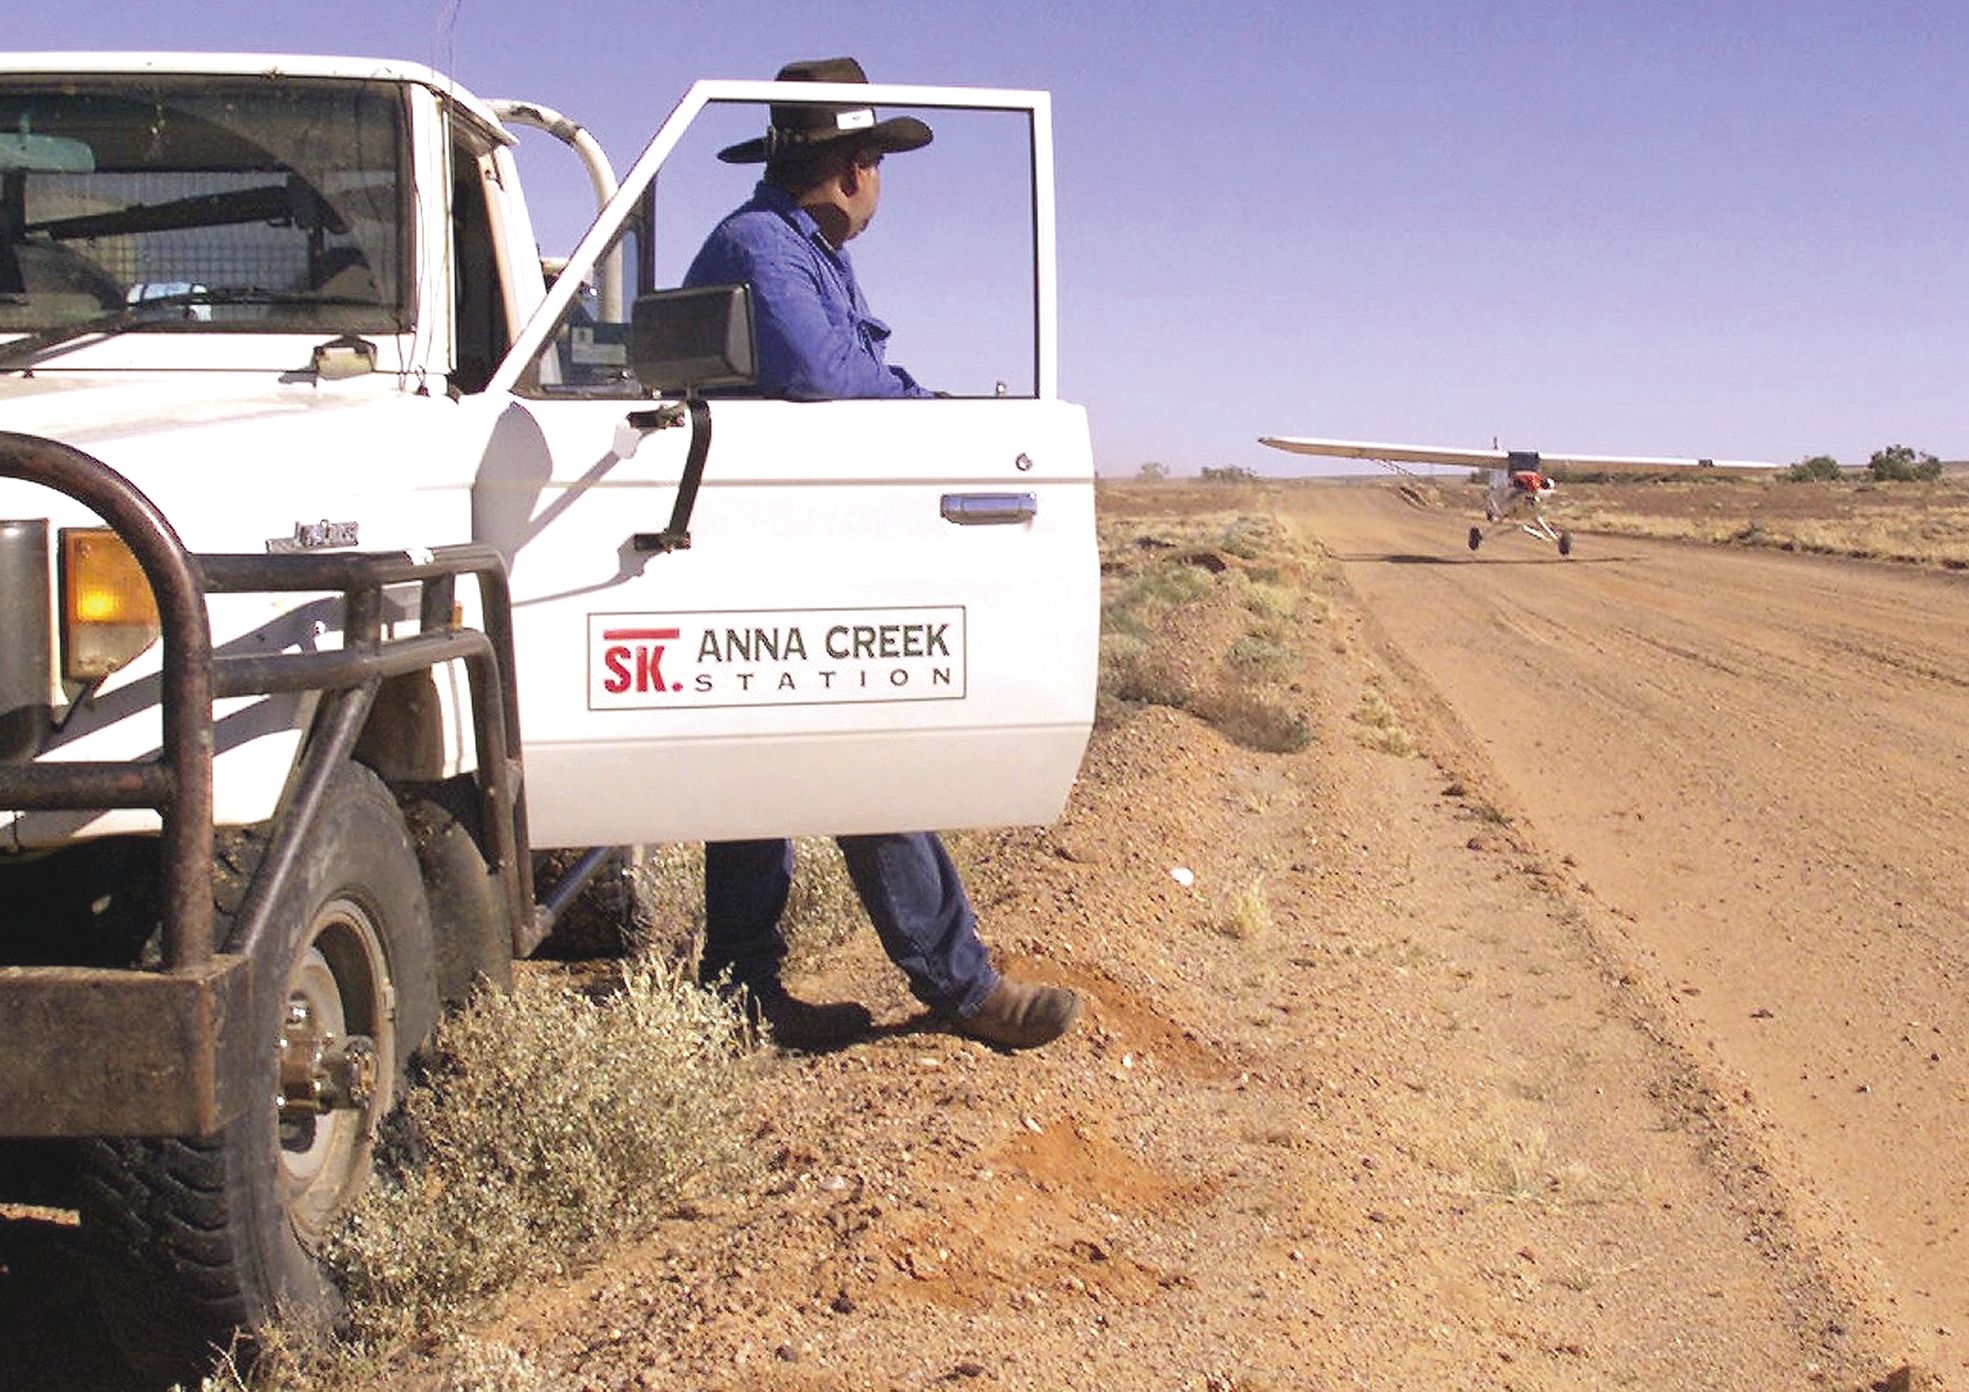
x,y
1760,762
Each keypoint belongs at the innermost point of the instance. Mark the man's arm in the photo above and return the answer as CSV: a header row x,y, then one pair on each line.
x,y
811,347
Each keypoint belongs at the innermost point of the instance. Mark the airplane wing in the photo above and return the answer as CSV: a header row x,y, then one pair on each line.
x,y
1389,454
1494,458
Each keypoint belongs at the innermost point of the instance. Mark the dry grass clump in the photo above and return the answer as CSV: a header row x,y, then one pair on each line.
x,y
1267,722
1204,613
1138,671
552,1119
1269,600
1263,654
1246,914
549,1121
1385,730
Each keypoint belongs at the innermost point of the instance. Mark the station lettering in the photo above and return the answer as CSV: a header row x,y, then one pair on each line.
x,y
782,657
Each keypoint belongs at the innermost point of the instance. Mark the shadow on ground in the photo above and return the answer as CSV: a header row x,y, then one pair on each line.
x,y
1411,558
55,1342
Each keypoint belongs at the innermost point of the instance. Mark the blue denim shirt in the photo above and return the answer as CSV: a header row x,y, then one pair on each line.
x,y
817,339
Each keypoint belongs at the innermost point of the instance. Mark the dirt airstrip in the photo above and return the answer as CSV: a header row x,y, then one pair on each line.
x,y
1583,1008
1615,1037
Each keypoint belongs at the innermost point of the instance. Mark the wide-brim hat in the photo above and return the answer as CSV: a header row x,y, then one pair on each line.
x,y
798,128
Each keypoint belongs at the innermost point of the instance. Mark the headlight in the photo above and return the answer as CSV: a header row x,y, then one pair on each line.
x,y
108,612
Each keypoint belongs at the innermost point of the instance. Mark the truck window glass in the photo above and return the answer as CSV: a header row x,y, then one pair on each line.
x,y
947,262
588,354
249,205
478,294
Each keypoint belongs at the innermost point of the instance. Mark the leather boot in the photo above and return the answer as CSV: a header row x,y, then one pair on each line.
x,y
1021,1015
810,1027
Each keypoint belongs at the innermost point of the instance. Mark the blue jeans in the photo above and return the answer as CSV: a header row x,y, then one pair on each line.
x,y
908,886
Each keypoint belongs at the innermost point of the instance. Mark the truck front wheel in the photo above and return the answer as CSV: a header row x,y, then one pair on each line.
x,y
191,1239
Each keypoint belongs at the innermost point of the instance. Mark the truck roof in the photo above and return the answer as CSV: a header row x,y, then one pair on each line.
x,y
256,65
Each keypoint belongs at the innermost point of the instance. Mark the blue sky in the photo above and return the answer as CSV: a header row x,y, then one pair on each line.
x,y
1723,229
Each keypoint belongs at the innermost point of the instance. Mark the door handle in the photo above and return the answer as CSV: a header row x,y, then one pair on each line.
x,y
989,509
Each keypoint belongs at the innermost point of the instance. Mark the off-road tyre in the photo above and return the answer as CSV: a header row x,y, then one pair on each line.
x,y
191,1239
470,925
1476,537
1565,543
608,919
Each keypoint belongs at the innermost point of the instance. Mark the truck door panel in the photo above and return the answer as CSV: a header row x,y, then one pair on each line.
x,y
830,654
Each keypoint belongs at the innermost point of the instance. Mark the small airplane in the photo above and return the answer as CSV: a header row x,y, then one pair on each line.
x,y
1517,479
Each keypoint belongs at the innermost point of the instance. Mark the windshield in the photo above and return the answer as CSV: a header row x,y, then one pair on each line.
x,y
255,204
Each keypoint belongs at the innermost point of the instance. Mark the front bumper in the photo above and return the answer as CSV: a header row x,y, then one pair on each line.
x,y
89,1051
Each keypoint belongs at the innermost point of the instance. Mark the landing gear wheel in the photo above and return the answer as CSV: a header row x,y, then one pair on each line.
x,y
193,1238
1565,543
1476,537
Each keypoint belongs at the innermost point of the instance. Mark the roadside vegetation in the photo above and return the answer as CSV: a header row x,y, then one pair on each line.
x,y
1206,611
545,1124
1901,508
548,1123
575,1111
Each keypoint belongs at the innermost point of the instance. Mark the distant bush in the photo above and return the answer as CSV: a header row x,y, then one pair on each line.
x,y
1901,464
1229,473
1818,468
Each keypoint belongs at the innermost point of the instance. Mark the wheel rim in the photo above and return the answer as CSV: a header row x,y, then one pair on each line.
x,y
338,987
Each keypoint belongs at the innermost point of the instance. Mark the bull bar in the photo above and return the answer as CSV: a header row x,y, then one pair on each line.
x,y
91,1051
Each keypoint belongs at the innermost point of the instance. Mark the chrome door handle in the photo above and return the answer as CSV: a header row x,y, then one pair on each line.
x,y
989,509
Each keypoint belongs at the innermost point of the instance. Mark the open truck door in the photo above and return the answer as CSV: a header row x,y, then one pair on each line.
x,y
838,617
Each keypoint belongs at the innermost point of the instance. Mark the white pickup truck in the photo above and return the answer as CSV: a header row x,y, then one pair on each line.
x,y
347,558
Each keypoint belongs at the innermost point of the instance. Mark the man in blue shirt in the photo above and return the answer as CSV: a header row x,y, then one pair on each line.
x,y
817,341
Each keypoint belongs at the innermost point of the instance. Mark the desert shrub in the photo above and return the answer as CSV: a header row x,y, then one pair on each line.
x,y
1262,655
1818,468
1138,671
822,909
1249,537
1266,722
1269,600
1137,604
1902,464
551,1119
1246,913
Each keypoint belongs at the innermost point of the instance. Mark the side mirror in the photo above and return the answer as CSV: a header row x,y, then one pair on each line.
x,y
686,341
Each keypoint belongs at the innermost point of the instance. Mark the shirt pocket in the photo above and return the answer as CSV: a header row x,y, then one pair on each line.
x,y
874,332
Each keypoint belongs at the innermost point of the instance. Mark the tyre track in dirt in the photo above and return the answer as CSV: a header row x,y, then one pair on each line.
x,y
1758,761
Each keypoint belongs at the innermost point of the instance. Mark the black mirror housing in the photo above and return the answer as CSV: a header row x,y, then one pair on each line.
x,y
690,340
